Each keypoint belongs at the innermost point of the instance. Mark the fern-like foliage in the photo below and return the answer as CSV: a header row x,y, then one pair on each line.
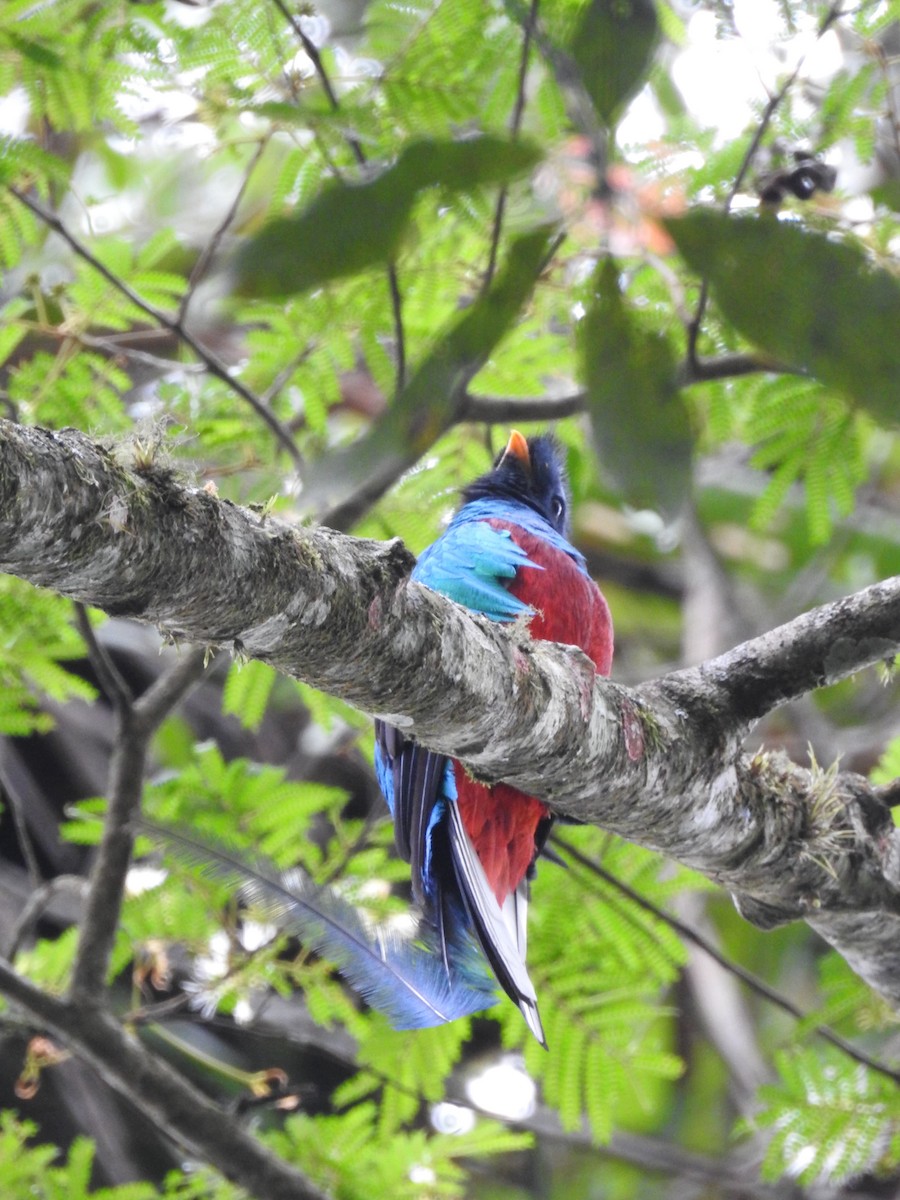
x,y
425,497
37,640
831,1120
72,385
403,1069
256,813
237,800
847,1005
158,132
247,690
354,1157
35,1170
66,61
805,434
601,964
427,51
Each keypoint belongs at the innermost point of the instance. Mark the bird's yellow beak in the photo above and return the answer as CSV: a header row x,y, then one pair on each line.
x,y
517,447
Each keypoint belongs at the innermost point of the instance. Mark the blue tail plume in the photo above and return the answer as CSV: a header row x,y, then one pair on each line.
x,y
405,977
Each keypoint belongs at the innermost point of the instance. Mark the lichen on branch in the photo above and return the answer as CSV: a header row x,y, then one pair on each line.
x,y
661,764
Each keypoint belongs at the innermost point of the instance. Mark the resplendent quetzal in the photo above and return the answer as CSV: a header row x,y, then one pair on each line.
x,y
471,847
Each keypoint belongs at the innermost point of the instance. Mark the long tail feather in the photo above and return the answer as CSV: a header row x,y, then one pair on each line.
x,y
501,932
405,978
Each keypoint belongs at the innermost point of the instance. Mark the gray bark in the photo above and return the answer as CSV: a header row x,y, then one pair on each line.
x,y
660,764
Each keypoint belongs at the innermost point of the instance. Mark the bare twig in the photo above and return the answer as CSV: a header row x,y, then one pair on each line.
x,y
209,250
23,836
178,1109
37,904
496,409
108,674
117,346
312,52
514,126
399,334
509,409
285,373
214,365
727,366
768,113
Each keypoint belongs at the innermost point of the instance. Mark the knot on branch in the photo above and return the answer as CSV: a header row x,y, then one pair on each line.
x,y
833,829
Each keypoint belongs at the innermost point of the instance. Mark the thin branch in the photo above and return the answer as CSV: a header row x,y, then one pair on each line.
x,y
431,402
502,409
209,250
735,1174
753,982
727,366
509,409
136,723
23,836
285,373
165,692
514,126
345,513
732,1173
37,904
114,346
312,52
214,365
110,678
774,103
399,334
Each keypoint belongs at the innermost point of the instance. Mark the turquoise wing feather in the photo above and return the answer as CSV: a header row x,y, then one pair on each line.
x,y
471,564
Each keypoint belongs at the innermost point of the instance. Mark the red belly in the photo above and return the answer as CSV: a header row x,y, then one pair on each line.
x,y
569,608
502,824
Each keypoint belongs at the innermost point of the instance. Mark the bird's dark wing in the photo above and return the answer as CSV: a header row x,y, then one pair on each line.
x,y
411,780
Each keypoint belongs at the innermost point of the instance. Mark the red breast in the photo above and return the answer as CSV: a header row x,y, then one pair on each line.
x,y
569,608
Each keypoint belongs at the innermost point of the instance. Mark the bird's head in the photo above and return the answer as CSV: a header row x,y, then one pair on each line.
x,y
530,471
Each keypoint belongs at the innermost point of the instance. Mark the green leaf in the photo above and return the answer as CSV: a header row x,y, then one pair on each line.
x,y
247,691
641,426
815,305
613,46
349,227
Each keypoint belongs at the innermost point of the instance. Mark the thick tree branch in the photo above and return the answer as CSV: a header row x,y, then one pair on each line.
x,y
179,1110
661,764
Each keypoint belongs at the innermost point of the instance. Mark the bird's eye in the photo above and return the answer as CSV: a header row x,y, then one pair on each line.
x,y
558,505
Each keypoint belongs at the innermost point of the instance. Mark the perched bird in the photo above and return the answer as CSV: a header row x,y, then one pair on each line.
x,y
472,847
